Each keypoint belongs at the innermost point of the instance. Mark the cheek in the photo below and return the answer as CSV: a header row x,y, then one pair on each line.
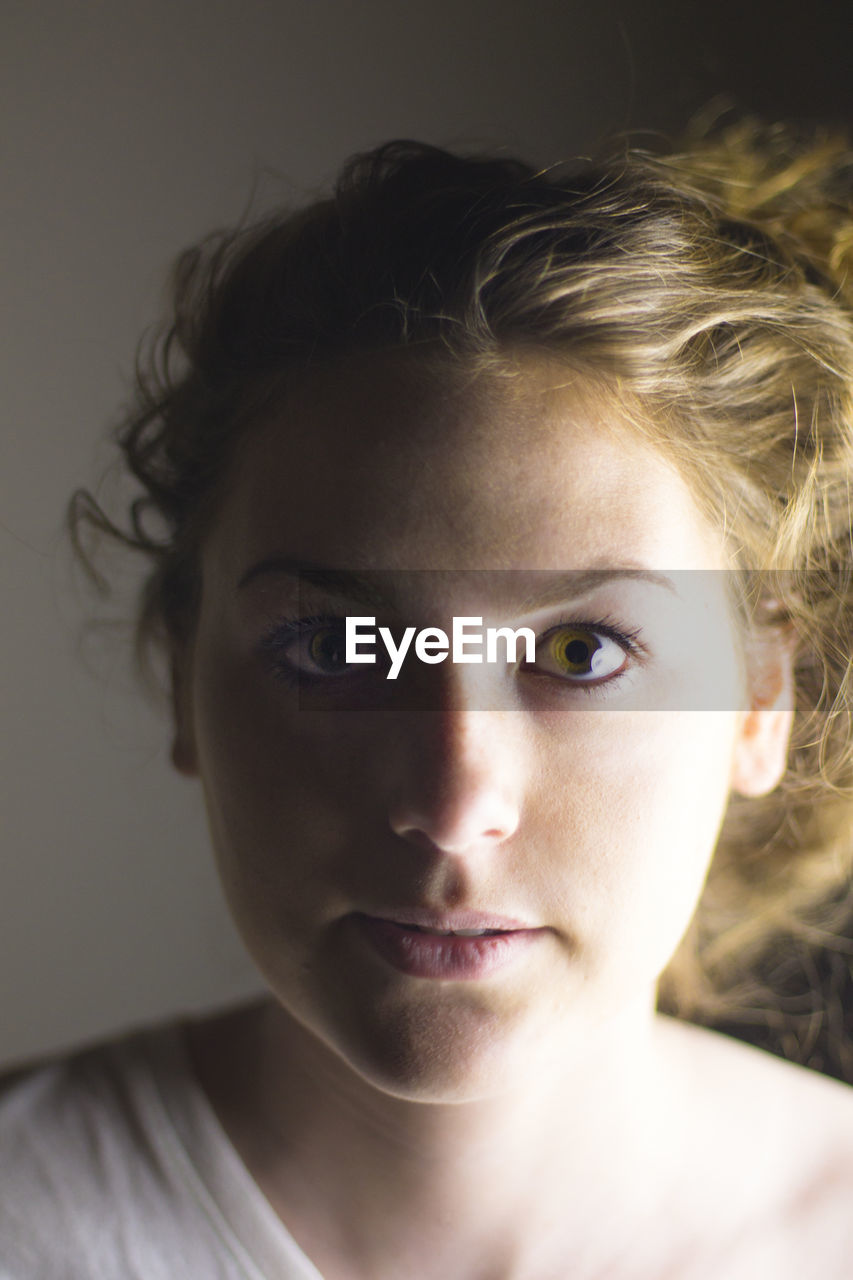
x,y
288,794
633,806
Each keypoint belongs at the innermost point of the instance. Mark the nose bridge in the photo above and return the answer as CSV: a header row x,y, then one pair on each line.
x,y
460,781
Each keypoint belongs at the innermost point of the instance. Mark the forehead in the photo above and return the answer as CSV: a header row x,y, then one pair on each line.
x,y
398,461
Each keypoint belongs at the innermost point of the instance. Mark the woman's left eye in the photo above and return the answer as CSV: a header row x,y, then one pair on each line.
x,y
580,654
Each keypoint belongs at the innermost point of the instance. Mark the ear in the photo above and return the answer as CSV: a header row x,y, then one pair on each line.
x,y
184,755
761,750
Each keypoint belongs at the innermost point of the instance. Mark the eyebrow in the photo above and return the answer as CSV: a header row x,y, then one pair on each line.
x,y
357,587
580,582
340,581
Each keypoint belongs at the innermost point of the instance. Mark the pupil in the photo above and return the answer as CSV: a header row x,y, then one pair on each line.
x,y
577,653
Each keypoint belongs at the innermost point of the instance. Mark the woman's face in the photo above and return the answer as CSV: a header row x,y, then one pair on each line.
x,y
569,805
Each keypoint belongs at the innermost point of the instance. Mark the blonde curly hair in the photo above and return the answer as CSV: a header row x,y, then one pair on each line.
x,y
710,288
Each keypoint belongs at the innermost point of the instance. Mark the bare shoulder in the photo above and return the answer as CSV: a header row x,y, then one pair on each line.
x,y
792,1110
765,1080
776,1144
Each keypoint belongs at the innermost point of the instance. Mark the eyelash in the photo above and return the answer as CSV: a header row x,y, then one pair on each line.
x,y
276,640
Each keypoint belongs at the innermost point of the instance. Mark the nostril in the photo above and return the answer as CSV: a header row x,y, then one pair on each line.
x,y
448,833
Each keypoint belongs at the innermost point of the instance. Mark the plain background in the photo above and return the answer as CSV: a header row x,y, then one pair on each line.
x,y
128,130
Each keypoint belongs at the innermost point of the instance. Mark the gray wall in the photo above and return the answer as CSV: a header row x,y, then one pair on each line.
x,y
128,129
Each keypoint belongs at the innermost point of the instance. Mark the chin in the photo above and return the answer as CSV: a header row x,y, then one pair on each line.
x,y
429,1073
445,1052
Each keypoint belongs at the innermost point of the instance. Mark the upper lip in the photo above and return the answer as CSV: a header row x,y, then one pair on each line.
x,y
448,921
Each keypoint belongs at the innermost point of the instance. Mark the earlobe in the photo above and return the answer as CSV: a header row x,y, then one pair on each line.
x,y
761,751
183,753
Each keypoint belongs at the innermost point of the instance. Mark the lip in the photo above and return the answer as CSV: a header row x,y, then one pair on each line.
x,y
394,937
447,921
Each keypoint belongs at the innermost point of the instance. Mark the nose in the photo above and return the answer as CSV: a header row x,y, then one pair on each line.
x,y
459,781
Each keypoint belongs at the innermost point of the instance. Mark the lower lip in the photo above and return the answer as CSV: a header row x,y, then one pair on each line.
x,y
445,956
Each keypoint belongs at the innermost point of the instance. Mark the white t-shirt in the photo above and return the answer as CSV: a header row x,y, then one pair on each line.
x,y
113,1166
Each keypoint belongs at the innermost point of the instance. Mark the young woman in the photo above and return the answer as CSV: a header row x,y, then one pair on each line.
x,y
609,409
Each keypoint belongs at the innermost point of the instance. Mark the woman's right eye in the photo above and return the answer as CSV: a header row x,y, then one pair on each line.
x,y
308,648
320,651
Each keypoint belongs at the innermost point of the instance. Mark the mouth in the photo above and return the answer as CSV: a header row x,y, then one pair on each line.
x,y
449,946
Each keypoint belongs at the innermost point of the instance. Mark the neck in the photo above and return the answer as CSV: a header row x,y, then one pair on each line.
x,y
358,1173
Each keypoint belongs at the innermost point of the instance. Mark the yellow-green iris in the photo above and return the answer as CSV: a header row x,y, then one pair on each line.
x,y
574,650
